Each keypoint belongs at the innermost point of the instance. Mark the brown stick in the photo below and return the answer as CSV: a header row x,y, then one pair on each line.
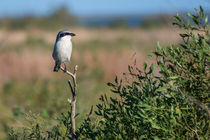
x,y
72,102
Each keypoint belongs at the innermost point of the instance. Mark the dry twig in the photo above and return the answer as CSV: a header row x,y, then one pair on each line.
x,y
73,88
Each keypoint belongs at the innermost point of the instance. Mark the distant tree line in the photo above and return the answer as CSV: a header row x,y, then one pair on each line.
x,y
58,19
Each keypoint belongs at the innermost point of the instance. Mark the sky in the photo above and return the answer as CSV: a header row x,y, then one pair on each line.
x,y
99,7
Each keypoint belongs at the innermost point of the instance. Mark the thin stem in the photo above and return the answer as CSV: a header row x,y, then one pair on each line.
x,y
67,72
69,82
73,101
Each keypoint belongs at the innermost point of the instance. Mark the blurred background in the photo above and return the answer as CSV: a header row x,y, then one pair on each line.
x,y
110,35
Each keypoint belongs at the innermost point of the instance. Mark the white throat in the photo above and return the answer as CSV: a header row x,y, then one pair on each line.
x,y
66,38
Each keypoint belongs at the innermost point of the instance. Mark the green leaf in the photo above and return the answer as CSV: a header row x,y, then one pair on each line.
x,y
138,70
183,46
103,120
151,69
157,53
196,20
174,23
98,113
174,77
178,64
201,12
130,68
149,56
206,20
161,89
190,15
124,110
159,46
145,66
167,95
114,91
154,125
183,81
177,17
110,84
141,77
178,110
184,35
116,80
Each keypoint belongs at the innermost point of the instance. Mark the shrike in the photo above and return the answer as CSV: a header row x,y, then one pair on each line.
x,y
62,49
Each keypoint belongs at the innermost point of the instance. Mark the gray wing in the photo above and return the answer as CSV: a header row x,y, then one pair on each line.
x,y
55,53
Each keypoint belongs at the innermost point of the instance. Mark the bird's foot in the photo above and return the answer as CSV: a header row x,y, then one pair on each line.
x,y
65,69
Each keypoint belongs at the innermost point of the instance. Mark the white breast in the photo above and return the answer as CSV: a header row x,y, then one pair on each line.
x,y
62,51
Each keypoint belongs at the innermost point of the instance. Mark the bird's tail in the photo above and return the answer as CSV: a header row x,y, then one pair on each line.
x,y
56,67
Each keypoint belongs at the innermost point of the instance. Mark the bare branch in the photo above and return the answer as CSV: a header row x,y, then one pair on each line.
x,y
72,90
88,118
74,99
75,69
91,111
67,72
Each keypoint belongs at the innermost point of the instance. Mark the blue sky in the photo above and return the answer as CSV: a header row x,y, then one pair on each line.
x,y
99,7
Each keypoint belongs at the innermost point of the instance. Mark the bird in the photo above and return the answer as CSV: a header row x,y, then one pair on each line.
x,y
62,49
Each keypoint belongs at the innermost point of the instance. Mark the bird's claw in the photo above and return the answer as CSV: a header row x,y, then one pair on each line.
x,y
65,69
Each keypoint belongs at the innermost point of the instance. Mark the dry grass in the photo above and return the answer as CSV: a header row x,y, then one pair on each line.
x,y
25,65
37,63
30,65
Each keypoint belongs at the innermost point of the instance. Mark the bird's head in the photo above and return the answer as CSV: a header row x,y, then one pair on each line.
x,y
65,35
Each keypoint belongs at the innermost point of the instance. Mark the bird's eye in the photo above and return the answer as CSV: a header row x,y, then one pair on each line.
x,y
64,34
61,35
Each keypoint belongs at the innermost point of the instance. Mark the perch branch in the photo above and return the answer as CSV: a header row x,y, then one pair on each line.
x,y
73,88
67,72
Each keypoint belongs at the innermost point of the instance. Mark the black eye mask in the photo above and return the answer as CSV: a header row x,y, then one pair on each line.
x,y
64,34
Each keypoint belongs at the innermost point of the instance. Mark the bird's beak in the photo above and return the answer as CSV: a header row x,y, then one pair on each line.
x,y
72,34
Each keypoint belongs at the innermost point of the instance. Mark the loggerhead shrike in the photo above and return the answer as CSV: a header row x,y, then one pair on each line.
x,y
62,49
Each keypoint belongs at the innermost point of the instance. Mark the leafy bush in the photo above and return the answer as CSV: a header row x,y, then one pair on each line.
x,y
169,102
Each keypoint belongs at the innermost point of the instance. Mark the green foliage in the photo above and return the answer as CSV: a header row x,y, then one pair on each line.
x,y
169,102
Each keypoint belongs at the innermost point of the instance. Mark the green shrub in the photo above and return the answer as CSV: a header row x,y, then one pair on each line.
x,y
171,104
